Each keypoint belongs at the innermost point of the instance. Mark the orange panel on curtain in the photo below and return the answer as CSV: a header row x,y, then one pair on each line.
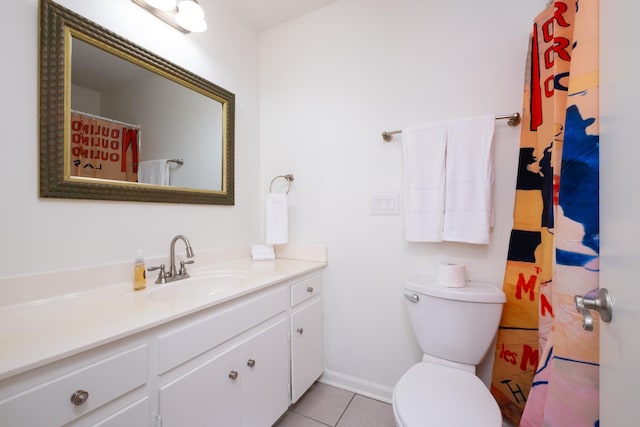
x,y
101,148
546,366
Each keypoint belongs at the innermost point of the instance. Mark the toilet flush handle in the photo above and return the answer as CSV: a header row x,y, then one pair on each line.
x,y
411,297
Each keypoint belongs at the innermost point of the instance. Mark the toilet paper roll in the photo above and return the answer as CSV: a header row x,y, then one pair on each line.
x,y
452,275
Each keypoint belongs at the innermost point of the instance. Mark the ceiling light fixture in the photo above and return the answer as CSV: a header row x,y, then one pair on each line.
x,y
191,16
162,4
184,15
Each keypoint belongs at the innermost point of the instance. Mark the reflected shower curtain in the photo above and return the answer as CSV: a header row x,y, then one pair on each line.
x,y
546,366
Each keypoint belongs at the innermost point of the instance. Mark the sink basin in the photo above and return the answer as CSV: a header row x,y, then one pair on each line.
x,y
196,287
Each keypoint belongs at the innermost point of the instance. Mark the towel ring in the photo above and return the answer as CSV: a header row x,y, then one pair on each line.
x,y
288,177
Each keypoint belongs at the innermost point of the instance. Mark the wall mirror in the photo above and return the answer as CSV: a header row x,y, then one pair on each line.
x,y
118,122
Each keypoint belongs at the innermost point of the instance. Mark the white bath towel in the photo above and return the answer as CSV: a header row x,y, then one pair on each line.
x,y
154,172
277,219
424,182
469,180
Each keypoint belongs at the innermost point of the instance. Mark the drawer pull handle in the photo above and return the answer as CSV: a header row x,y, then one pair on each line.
x,y
309,289
300,330
233,375
79,397
251,363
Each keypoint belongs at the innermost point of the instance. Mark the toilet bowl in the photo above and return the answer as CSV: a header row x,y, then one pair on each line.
x,y
432,395
454,327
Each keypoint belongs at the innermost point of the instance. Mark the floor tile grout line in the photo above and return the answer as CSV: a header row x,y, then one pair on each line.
x,y
304,416
345,409
311,418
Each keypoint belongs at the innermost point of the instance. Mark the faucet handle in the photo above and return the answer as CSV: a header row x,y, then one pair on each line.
x,y
162,275
183,269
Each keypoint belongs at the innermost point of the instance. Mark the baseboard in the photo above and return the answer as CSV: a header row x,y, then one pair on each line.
x,y
357,385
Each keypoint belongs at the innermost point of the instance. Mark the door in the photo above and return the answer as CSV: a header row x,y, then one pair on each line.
x,y
208,396
307,348
619,211
265,379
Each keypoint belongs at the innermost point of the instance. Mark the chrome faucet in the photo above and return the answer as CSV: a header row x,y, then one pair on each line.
x,y
174,274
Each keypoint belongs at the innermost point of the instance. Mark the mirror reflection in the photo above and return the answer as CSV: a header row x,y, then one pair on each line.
x,y
130,124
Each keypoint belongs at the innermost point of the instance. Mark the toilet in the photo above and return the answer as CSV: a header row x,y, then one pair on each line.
x,y
455,327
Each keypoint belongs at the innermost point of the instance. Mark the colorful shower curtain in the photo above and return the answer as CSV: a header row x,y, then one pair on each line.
x,y
546,366
103,148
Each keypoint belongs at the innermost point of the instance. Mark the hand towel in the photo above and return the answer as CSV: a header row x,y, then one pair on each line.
x,y
262,253
424,180
277,219
154,172
469,180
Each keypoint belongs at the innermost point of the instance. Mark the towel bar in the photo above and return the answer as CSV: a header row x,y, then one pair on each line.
x,y
514,120
289,177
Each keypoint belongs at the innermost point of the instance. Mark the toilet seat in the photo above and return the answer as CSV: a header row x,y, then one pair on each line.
x,y
432,395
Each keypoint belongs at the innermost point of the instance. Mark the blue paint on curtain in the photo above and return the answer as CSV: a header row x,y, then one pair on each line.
x,y
579,191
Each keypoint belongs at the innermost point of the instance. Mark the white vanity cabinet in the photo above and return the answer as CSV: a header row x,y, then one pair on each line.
x,y
238,363
240,382
101,388
307,345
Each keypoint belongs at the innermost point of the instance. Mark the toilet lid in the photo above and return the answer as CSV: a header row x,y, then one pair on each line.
x,y
431,395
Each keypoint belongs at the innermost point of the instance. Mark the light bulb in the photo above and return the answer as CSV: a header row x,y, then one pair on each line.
x,y
162,4
191,8
190,16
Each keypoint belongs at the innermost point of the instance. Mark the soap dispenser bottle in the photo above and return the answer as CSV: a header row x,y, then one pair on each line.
x,y
139,273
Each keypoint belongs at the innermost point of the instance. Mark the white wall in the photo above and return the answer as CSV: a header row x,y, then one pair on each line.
x,y
40,235
87,100
331,82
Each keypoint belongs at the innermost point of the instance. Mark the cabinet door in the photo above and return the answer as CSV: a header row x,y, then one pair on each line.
x,y
265,379
307,349
206,396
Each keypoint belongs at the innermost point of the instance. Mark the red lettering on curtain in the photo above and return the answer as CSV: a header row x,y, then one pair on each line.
x,y
129,138
545,306
529,357
529,286
536,95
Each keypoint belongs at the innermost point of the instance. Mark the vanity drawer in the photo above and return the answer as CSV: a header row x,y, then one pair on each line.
x,y
196,337
50,403
305,289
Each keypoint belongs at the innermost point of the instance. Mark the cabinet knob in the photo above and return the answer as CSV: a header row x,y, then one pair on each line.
x,y
251,363
233,375
300,330
79,397
309,289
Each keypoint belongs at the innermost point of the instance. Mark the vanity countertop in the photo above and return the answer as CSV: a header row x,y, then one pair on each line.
x,y
35,333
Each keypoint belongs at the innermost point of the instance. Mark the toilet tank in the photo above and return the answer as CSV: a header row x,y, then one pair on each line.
x,y
455,324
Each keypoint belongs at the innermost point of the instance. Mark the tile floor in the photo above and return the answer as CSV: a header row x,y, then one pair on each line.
x,y
324,405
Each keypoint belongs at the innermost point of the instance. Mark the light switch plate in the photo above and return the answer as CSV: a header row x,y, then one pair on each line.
x,y
384,204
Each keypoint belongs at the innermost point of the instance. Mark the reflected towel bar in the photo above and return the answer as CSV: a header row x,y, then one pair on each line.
x,y
178,161
514,120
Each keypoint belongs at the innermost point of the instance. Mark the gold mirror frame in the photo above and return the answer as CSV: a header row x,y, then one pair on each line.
x,y
56,25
